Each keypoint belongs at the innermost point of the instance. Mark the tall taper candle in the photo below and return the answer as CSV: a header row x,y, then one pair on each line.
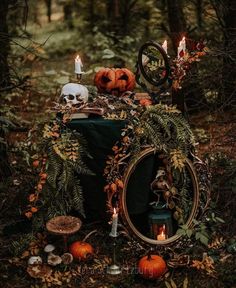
x,y
113,232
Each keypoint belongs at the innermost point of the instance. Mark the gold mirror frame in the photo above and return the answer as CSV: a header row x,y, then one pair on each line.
x,y
124,212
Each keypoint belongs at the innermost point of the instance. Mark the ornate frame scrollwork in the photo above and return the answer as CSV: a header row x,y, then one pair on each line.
x,y
123,193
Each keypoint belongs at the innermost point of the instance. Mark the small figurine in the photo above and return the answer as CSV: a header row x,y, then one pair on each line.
x,y
159,185
163,185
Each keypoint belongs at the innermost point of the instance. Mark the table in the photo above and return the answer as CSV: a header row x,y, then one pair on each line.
x,y
101,135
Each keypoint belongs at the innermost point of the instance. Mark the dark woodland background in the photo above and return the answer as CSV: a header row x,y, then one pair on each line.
x,y
38,44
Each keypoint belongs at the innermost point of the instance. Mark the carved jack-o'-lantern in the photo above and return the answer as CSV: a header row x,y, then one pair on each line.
x,y
114,81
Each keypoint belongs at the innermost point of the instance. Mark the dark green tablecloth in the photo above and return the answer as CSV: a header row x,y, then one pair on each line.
x,y
101,135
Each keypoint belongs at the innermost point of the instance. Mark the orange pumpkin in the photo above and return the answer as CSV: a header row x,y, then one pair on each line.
x,y
114,81
152,266
81,250
145,102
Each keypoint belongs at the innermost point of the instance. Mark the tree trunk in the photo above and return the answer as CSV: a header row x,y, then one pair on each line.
x,y
68,14
91,14
4,45
229,67
177,23
177,26
49,9
199,10
191,93
113,15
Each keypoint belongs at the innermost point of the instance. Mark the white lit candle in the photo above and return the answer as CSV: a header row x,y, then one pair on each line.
x,y
184,44
164,46
114,224
78,65
181,48
162,236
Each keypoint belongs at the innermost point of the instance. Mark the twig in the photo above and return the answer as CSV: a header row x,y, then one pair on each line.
x,y
89,234
7,88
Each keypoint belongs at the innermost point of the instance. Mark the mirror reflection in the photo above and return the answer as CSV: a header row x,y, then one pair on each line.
x,y
153,63
158,197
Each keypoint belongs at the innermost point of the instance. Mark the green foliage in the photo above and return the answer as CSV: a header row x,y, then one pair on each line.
x,y
225,167
62,191
165,128
201,230
18,246
201,135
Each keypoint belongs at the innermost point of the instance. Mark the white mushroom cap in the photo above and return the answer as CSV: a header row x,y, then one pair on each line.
x,y
35,260
67,258
54,259
49,248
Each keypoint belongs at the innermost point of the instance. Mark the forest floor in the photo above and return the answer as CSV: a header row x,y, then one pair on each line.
x,y
216,136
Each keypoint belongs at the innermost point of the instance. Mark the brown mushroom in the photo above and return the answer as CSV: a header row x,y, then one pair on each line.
x,y
39,271
54,260
67,258
64,226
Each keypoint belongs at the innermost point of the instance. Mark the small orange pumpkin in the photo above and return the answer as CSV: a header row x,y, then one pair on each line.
x,y
114,81
145,102
81,250
152,267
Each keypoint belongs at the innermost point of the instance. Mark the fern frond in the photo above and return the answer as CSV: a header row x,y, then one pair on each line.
x,y
77,198
80,168
17,247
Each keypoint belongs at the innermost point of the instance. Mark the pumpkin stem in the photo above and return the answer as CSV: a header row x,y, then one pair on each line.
x,y
149,256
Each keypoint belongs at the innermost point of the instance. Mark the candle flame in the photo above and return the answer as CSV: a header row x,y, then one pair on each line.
x,y
114,210
181,41
162,233
77,58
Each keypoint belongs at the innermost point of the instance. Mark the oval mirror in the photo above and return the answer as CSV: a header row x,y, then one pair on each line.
x,y
153,63
156,198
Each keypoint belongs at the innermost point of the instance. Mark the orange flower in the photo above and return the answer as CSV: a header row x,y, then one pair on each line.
x,y
39,187
106,188
115,148
32,197
36,163
113,187
28,214
34,209
43,176
125,139
119,183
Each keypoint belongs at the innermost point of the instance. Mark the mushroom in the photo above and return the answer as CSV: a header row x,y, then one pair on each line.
x,y
49,248
35,260
54,260
39,271
64,226
67,258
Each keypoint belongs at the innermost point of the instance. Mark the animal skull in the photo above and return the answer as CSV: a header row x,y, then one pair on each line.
x,y
73,94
